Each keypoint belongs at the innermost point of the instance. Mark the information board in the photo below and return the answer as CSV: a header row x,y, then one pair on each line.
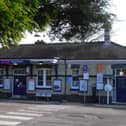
x,y
57,85
84,85
7,84
31,84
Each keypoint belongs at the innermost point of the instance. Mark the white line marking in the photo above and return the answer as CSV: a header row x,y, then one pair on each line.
x,y
25,114
34,111
15,117
9,123
43,109
51,107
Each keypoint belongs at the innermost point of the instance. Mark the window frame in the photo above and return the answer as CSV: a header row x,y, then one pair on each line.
x,y
75,77
22,70
2,77
44,78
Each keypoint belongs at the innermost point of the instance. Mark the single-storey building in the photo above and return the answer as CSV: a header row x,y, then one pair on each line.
x,y
64,71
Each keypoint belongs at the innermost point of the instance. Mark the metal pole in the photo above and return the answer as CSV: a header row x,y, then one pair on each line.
x,y
107,97
85,90
65,78
84,97
99,99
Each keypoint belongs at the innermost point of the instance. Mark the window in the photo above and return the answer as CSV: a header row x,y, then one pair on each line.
x,y
75,78
44,78
1,77
40,77
48,77
19,71
75,72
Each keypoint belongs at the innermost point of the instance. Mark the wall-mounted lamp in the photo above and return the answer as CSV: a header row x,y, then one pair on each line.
x,y
40,63
55,60
121,72
15,64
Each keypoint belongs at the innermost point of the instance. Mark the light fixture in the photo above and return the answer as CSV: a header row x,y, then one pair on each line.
x,y
40,63
15,64
121,72
55,60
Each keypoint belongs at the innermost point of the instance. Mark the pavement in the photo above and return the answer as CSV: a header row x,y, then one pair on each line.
x,y
113,105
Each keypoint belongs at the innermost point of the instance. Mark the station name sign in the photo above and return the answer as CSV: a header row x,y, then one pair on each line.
x,y
14,61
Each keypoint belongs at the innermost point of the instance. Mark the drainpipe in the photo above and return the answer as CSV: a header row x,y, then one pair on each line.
x,y
6,69
56,71
65,63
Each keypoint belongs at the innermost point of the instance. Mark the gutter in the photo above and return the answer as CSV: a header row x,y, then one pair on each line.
x,y
113,61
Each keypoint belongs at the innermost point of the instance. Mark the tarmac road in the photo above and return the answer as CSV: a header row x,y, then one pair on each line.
x,y
29,114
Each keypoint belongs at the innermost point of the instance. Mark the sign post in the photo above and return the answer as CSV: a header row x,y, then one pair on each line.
x,y
84,87
108,89
85,80
99,84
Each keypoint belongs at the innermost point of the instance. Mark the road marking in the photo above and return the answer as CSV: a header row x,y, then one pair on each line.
x,y
25,114
15,117
51,107
43,109
9,123
34,111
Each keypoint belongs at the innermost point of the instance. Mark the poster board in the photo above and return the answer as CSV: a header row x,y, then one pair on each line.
x,y
84,85
7,85
99,81
69,80
31,84
99,86
57,85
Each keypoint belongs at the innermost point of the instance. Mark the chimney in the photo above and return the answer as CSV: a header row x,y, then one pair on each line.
x,y
107,40
106,35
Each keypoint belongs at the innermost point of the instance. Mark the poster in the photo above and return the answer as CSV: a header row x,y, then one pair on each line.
x,y
84,85
57,85
31,84
85,76
69,80
99,81
99,86
7,84
99,77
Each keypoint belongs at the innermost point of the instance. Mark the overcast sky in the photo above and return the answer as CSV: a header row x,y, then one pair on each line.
x,y
118,34
119,28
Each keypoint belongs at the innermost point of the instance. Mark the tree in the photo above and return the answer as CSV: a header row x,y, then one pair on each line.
x,y
80,19
17,16
67,18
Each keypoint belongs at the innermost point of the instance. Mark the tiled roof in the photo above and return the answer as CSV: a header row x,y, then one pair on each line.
x,y
80,51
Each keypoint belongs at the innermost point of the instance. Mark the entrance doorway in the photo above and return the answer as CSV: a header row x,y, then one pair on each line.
x,y
121,88
19,87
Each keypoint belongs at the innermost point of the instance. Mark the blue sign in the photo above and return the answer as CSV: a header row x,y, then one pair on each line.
x,y
85,68
84,85
68,80
20,61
